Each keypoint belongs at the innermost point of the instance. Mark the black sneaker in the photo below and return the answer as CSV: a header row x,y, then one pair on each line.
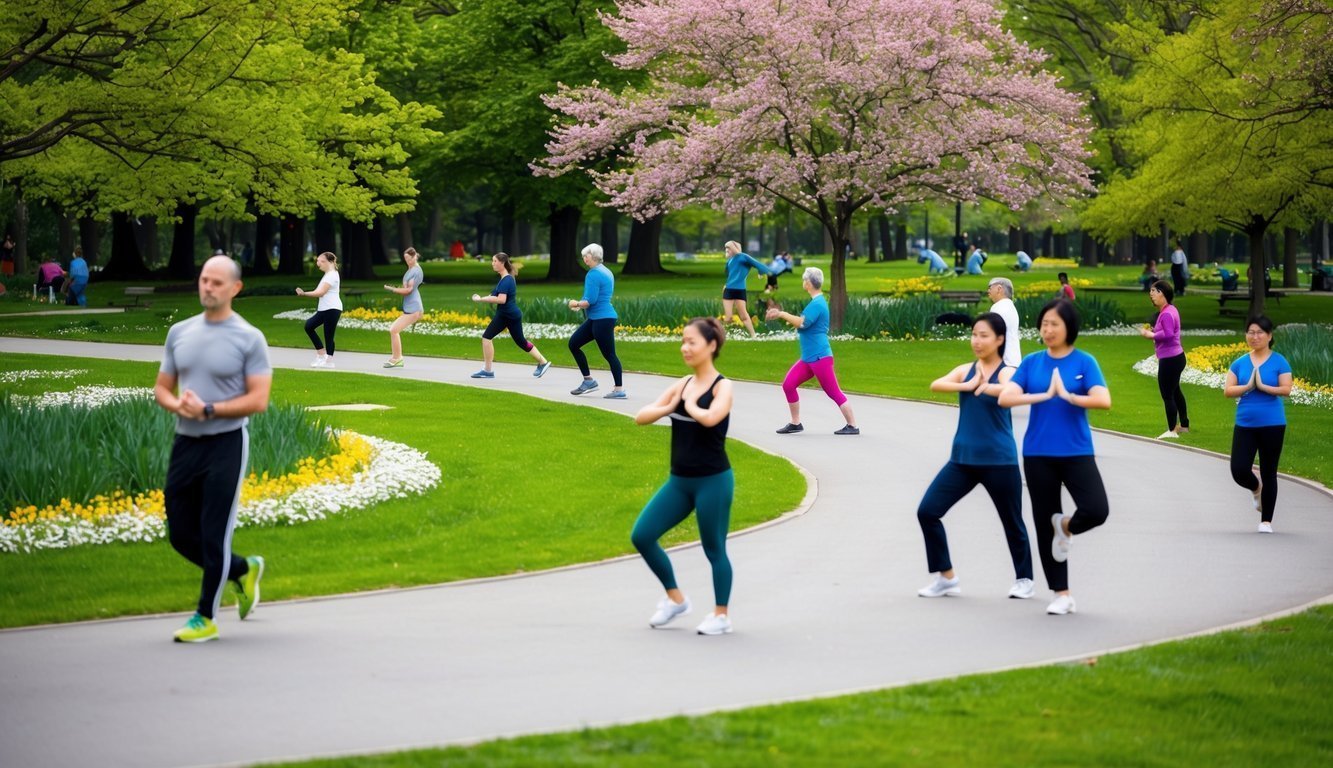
x,y
848,430
791,429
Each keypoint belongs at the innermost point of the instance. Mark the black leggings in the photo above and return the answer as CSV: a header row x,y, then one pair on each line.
x,y
604,333
1267,442
1045,475
327,318
955,481
1169,370
515,327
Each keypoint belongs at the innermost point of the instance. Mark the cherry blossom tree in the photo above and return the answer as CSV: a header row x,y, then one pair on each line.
x,y
829,105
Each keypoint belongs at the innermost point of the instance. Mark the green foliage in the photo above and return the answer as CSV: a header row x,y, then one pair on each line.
x,y
1309,349
77,453
1093,311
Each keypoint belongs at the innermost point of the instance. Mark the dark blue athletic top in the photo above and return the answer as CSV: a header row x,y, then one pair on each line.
x,y
985,433
696,450
509,287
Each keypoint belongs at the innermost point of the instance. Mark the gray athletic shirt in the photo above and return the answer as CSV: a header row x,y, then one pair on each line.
x,y
412,301
213,359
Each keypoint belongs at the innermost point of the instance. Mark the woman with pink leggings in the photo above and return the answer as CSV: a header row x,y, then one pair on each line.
x,y
816,356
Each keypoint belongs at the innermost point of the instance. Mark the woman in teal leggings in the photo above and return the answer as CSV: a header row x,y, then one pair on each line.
x,y
699,407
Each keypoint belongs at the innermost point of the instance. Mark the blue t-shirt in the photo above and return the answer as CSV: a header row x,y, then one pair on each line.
x,y
509,287
936,261
1056,428
412,301
1255,408
985,433
598,286
813,333
738,268
78,272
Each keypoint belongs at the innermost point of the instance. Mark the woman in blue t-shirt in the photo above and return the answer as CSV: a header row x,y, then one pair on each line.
x,y
507,317
816,356
1260,379
983,454
1060,383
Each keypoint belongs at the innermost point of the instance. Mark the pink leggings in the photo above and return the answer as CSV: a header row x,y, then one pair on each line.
x,y
821,369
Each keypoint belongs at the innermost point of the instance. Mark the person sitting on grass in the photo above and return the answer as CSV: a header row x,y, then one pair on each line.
x,y
1022,261
936,262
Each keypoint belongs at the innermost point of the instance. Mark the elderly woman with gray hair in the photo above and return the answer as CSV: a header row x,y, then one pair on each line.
x,y
816,356
600,324
1001,293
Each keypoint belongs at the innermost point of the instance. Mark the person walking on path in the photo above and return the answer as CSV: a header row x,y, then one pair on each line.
x,y
816,359
1060,383
1179,269
599,325
412,307
78,280
219,363
983,454
507,317
1259,380
699,407
739,265
1000,290
327,311
1165,335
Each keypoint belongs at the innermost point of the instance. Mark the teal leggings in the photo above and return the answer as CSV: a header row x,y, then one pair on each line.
x,y
669,507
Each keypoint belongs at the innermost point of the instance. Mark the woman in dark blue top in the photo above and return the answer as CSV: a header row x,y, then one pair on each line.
x,y
1259,379
699,407
1060,383
983,454
507,317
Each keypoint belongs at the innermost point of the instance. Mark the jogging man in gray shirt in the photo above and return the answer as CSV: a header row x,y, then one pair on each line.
x,y
220,364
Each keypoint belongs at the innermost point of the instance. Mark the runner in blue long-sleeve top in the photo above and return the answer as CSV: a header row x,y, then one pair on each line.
x,y
739,265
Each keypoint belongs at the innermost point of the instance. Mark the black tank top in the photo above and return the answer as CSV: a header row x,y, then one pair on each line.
x,y
696,450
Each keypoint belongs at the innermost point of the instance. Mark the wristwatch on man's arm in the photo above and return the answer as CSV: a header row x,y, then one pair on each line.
x,y
208,410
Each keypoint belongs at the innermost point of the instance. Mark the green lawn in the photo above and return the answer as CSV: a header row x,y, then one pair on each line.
x,y
1250,697
523,490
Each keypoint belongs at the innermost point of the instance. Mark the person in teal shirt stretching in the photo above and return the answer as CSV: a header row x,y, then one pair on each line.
x,y
738,269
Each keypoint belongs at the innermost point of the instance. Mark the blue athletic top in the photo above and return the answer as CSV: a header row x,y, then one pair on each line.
x,y
78,272
509,287
813,333
1255,408
1056,428
738,268
696,450
985,433
412,301
598,286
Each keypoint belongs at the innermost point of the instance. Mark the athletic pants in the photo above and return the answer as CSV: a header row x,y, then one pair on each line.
x,y
1169,370
955,481
327,318
515,327
710,497
604,332
1267,442
1045,475
821,369
1178,279
202,493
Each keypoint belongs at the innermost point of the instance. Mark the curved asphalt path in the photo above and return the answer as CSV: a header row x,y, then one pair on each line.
x,y
823,603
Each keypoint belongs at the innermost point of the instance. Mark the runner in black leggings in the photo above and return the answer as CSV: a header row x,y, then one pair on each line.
x,y
507,317
327,311
1259,380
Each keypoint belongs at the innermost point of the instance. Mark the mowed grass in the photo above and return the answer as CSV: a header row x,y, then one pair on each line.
x,y
1249,697
527,485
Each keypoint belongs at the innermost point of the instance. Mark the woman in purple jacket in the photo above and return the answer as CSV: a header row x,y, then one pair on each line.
x,y
1165,337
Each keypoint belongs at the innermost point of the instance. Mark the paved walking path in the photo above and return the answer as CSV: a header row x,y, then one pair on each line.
x,y
823,603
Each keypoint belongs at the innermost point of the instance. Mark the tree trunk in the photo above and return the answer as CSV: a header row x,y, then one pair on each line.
x,y
645,249
126,262
1258,265
525,238
326,232
435,229
1198,252
405,238
782,238
291,246
564,223
1291,276
64,235
479,222
870,239
1124,250
1048,243
90,239
1016,240
1029,244
265,226
611,236
835,282
145,234
1088,250
20,236
885,237
355,259
379,248
180,264
1061,245
900,241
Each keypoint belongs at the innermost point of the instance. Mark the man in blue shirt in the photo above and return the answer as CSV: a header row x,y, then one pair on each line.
x,y
78,280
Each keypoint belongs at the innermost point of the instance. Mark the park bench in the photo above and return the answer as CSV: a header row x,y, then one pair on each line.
x,y
1225,296
138,291
961,297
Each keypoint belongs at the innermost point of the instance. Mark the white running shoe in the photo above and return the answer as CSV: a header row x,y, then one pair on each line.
x,y
715,624
667,611
1265,527
1168,435
940,587
319,361
328,363
1061,605
1022,589
1062,541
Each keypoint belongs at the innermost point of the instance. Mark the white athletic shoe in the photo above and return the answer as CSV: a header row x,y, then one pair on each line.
x,y
940,587
328,363
1062,541
667,611
1061,605
320,360
1022,589
1265,527
1168,435
715,624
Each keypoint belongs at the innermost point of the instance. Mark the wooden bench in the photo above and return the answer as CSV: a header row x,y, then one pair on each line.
x,y
961,297
1225,296
138,291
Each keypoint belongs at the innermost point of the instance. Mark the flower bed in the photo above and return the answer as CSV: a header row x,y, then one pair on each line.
x,y
1207,367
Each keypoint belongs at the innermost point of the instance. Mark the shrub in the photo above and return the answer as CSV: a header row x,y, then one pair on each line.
x,y
1309,349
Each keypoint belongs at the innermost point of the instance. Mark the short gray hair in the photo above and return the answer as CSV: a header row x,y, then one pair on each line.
x,y
1005,283
593,251
815,275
